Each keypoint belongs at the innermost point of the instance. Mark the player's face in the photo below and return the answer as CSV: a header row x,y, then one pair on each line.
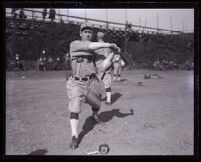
x,y
86,34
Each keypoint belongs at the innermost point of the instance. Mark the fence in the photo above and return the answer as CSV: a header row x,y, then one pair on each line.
x,y
37,15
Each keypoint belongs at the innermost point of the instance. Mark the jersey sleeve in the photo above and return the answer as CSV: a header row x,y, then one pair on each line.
x,y
104,51
109,50
79,46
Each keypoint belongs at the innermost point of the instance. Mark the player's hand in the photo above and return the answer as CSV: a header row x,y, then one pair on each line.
x,y
114,47
118,49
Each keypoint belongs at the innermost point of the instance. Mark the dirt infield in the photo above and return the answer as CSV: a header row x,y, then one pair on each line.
x,y
148,116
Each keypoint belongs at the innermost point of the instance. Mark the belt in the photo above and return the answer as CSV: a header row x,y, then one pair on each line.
x,y
84,78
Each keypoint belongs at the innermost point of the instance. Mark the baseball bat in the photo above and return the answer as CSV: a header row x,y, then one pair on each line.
x,y
123,57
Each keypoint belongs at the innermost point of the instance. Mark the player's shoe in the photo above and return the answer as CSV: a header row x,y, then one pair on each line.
x,y
74,143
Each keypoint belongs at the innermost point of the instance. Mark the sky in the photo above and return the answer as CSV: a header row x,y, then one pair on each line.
x,y
175,19
144,17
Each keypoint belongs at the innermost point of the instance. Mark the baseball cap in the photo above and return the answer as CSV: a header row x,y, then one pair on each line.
x,y
86,25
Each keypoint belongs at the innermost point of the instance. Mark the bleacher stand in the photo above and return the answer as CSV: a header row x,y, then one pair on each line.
x,y
143,49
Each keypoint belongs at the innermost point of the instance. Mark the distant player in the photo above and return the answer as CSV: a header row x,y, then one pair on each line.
x,y
117,64
105,76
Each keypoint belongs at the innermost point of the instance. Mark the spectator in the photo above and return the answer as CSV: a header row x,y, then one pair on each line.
x,y
50,63
45,63
44,14
58,65
67,65
165,64
22,15
192,65
19,65
157,65
176,66
13,13
52,13
41,64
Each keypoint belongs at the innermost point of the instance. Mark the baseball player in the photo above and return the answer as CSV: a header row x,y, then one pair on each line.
x,y
105,76
83,84
117,63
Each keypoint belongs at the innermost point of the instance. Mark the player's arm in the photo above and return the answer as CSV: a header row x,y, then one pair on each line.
x,y
108,61
98,45
77,46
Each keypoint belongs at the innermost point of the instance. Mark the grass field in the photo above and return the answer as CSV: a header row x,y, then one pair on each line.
x,y
162,123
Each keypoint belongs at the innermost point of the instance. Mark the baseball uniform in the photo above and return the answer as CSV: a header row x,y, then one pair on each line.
x,y
83,84
117,66
102,54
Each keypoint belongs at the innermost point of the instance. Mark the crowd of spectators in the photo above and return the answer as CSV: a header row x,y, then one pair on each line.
x,y
157,52
19,13
49,63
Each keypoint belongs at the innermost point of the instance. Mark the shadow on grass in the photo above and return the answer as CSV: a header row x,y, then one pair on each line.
x,y
108,115
39,152
104,99
114,97
103,117
122,80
